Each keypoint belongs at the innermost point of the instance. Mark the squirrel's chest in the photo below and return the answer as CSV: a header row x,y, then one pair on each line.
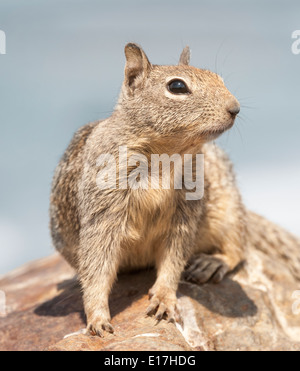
x,y
152,212
149,220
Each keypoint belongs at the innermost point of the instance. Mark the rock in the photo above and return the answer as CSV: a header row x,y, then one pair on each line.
x,y
254,310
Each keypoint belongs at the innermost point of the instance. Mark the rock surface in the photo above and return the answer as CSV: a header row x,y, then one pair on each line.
x,y
256,309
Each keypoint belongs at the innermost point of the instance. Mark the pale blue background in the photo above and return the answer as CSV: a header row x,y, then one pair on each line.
x,y
64,67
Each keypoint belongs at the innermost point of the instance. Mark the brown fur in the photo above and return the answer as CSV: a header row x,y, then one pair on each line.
x,y
101,232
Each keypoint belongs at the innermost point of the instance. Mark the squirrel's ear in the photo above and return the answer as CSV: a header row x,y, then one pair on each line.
x,y
137,65
185,56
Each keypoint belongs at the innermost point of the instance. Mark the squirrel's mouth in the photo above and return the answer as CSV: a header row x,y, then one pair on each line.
x,y
217,131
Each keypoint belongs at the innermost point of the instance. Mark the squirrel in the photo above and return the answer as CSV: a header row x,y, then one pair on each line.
x,y
100,232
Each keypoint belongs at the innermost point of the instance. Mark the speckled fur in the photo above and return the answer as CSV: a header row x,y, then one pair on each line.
x,y
102,232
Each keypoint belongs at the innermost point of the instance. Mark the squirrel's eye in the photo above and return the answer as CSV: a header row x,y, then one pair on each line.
x,y
178,87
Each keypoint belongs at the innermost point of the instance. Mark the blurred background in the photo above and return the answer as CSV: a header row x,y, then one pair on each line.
x,y
64,68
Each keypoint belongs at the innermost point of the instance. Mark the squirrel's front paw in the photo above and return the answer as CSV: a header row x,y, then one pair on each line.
x,y
163,305
99,325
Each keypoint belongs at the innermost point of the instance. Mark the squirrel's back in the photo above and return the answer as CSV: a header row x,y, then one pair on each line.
x,y
64,217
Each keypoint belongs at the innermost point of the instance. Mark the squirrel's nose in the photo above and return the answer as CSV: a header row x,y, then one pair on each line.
x,y
233,107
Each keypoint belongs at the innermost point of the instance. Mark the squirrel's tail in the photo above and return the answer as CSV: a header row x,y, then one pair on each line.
x,y
274,241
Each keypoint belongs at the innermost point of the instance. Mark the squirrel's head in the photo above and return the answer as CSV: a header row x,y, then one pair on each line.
x,y
172,101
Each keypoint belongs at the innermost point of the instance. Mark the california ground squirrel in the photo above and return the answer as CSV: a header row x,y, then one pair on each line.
x,y
161,110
